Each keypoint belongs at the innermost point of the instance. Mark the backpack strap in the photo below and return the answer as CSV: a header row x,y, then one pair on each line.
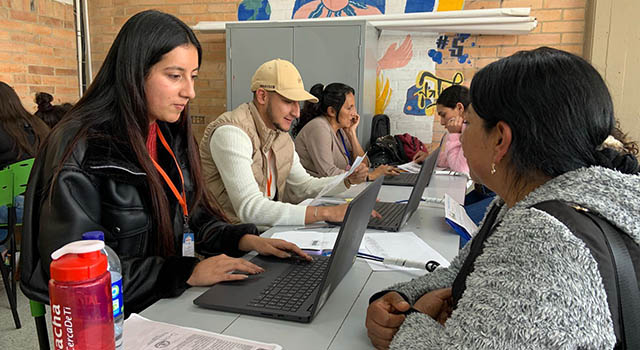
x,y
611,248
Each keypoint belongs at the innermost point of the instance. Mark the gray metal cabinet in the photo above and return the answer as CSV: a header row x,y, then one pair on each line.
x,y
323,53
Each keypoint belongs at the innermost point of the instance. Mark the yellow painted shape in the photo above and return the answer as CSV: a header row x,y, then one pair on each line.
x,y
450,5
383,94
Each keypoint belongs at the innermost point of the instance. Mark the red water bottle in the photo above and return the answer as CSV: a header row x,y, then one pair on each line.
x,y
80,297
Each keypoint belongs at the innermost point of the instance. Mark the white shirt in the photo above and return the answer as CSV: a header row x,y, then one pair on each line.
x,y
231,150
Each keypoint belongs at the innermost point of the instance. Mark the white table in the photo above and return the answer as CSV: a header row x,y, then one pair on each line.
x,y
340,323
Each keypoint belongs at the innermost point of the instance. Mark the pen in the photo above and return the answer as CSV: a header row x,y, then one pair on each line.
x,y
430,265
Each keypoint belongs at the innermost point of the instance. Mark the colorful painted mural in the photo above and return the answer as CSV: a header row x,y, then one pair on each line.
x,y
336,8
422,97
456,48
251,10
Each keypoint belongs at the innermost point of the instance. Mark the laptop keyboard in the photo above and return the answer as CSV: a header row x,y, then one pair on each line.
x,y
402,178
391,213
292,288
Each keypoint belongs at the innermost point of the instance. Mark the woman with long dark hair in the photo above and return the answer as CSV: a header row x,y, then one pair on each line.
x,y
20,136
124,161
20,132
529,279
326,139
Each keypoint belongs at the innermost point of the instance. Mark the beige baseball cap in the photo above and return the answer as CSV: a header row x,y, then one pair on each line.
x,y
282,77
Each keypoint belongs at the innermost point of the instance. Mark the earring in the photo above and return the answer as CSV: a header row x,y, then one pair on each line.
x,y
493,168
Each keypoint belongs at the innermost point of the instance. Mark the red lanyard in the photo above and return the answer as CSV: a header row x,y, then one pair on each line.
x,y
182,198
270,178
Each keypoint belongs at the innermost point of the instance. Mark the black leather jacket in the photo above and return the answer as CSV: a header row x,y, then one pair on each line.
x,y
102,187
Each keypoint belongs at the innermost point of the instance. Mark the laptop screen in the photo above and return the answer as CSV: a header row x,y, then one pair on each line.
x,y
423,181
348,241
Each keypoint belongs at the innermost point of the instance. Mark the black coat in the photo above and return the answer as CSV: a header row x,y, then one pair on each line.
x,y
102,187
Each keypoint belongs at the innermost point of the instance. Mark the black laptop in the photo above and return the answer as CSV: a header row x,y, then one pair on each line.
x,y
402,179
295,289
395,215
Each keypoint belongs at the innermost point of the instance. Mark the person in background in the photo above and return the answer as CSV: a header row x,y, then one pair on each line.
x,y
327,146
124,161
450,106
20,137
525,281
50,114
249,162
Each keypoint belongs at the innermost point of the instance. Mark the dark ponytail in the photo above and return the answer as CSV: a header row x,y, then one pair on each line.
x,y
332,95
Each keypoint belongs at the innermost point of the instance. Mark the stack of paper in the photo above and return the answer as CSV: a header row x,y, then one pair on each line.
x,y
411,167
457,217
143,334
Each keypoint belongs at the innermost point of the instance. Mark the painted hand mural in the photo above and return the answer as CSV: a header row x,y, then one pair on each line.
x,y
336,8
396,57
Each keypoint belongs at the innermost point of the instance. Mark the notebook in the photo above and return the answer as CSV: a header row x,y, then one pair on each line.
x,y
395,215
294,289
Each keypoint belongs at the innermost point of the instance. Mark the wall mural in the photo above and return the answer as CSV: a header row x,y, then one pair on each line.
x,y
456,49
406,85
251,10
336,8
422,97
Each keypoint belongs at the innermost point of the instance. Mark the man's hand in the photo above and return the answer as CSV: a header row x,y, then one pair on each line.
x,y
359,175
436,304
218,268
384,317
270,246
420,156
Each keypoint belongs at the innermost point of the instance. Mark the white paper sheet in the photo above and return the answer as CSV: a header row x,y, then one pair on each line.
x,y
411,167
309,240
331,185
143,334
404,245
455,212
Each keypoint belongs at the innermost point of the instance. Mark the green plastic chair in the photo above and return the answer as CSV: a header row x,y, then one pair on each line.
x,y
38,312
6,199
21,171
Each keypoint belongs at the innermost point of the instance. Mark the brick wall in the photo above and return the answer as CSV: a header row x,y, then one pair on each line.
x,y
107,16
561,24
38,50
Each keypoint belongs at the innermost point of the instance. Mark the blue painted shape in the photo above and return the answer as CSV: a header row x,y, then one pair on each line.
x,y
419,6
436,56
254,10
463,58
411,104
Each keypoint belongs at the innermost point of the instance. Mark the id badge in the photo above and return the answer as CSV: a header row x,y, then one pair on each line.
x,y
188,244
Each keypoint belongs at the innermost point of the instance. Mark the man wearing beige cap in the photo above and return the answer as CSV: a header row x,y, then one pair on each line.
x,y
249,163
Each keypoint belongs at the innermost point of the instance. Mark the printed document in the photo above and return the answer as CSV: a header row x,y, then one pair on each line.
x,y
411,167
331,185
399,245
143,334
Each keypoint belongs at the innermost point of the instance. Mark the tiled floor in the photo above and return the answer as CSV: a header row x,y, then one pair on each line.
x,y
25,337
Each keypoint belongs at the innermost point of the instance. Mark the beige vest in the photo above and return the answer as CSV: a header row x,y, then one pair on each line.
x,y
263,139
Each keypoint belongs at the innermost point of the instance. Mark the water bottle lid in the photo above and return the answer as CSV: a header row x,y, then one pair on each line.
x,y
78,261
97,235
